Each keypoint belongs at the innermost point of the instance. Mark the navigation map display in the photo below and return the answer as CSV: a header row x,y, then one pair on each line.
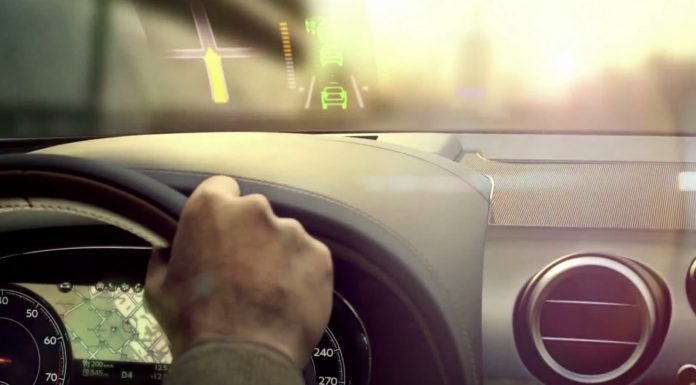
x,y
107,322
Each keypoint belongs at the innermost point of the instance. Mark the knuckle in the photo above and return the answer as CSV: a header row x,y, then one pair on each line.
x,y
322,249
257,202
323,254
204,198
207,194
256,208
293,226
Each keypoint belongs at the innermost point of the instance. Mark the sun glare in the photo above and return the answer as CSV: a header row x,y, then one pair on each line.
x,y
546,46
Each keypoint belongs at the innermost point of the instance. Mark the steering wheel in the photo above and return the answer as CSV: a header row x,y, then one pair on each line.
x,y
91,189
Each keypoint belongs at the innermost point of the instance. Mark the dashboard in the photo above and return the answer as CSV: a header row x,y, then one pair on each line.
x,y
104,334
82,319
459,259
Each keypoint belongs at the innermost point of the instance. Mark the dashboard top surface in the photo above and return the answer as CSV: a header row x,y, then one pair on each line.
x,y
543,207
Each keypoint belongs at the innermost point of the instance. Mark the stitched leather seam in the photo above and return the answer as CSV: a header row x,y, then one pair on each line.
x,y
73,210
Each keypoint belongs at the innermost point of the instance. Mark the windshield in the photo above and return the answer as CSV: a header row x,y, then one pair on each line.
x,y
91,68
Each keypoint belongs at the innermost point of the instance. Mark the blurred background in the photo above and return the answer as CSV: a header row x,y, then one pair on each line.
x,y
107,67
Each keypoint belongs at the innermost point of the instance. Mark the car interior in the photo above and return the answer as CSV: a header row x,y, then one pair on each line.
x,y
507,189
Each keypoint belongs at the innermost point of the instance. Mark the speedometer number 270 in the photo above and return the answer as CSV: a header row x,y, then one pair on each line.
x,y
327,380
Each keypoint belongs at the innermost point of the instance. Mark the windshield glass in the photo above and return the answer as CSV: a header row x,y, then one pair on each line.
x,y
110,67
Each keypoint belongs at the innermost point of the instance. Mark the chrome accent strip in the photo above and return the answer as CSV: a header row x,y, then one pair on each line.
x,y
593,303
51,250
547,282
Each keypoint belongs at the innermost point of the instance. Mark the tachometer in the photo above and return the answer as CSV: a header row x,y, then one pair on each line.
x,y
34,347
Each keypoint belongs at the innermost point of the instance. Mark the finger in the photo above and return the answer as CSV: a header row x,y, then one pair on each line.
x,y
324,259
220,184
156,274
293,233
257,202
293,226
256,209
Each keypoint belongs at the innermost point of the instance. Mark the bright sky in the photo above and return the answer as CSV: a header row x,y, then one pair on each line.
x,y
546,45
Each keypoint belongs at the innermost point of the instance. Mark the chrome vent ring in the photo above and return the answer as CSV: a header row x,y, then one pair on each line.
x,y
591,319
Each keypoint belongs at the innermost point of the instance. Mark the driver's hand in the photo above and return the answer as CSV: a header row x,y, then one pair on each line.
x,y
236,271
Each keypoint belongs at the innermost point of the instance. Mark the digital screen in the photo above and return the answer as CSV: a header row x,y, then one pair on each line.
x,y
250,58
95,372
107,322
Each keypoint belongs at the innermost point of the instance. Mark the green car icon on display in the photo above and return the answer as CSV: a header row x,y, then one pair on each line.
x,y
331,54
334,95
312,24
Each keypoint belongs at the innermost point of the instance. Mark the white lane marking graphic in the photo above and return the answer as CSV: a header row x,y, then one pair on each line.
x,y
357,92
199,53
210,53
203,27
207,39
309,93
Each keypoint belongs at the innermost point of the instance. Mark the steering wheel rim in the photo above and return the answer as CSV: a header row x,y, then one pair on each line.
x,y
111,194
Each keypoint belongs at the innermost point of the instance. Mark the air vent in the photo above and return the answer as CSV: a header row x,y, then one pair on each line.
x,y
591,319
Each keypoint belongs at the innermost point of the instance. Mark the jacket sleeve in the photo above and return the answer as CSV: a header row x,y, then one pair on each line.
x,y
233,363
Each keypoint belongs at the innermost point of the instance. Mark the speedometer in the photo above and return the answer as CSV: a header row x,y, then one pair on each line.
x,y
34,348
343,354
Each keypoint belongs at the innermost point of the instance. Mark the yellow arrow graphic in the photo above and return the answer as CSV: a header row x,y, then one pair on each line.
x,y
216,77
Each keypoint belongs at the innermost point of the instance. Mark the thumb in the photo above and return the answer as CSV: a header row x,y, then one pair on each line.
x,y
156,274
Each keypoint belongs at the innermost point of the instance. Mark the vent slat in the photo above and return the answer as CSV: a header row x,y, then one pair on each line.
x,y
595,284
595,303
589,321
587,358
588,341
